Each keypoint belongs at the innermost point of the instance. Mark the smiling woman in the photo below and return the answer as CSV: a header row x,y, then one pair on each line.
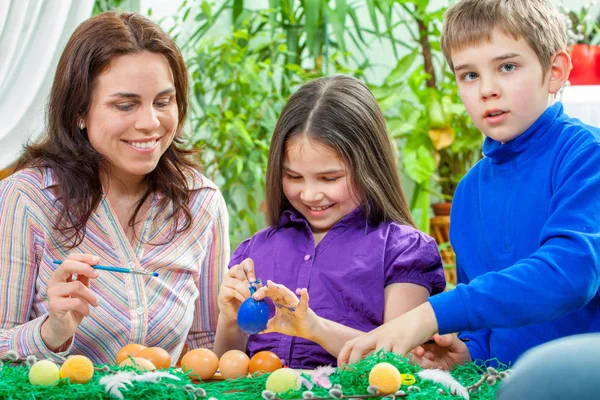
x,y
109,183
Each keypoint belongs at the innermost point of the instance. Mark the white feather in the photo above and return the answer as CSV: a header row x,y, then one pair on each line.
x,y
119,381
445,379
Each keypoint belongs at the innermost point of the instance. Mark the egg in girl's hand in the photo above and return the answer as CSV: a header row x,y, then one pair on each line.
x,y
157,356
139,363
264,361
234,364
201,362
129,350
253,316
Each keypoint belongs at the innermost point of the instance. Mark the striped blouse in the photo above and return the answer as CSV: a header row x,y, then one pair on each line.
x,y
177,307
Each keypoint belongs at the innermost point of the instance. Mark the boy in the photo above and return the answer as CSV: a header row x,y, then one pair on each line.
x,y
525,219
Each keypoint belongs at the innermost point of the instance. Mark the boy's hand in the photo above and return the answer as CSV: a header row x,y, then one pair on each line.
x,y
292,316
235,288
400,335
447,351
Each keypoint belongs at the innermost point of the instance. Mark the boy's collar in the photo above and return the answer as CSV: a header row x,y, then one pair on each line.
x,y
500,153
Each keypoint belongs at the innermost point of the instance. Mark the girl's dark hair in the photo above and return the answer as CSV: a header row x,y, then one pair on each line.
x,y
66,149
341,113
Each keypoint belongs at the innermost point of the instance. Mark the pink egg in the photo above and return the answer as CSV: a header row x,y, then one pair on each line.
x,y
234,364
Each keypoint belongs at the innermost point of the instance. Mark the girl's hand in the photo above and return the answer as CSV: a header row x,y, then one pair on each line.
x,y
292,316
400,335
447,351
235,288
69,299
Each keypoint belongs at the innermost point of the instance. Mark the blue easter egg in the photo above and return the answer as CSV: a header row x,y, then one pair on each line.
x,y
253,316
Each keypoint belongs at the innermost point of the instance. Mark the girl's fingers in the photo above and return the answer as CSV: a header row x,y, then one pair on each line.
x,y
237,289
248,268
303,305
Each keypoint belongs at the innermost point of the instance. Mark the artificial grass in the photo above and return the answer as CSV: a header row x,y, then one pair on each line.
x,y
353,379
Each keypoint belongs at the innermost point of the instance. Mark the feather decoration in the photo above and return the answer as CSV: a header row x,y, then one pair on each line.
x,y
321,376
446,380
119,381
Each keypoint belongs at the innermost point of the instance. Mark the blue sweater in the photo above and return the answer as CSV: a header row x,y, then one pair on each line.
x,y
526,232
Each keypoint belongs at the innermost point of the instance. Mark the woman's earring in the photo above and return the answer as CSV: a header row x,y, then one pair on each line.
x,y
81,124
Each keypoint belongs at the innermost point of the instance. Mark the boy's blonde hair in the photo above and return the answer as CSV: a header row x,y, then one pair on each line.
x,y
471,22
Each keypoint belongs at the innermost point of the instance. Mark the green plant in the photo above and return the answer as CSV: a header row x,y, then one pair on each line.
x,y
583,25
105,5
240,81
425,114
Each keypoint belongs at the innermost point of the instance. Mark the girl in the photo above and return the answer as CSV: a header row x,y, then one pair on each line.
x,y
339,228
110,183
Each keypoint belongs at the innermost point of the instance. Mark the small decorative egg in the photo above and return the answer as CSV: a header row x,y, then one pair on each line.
x,y
44,373
129,350
264,361
139,363
234,364
201,362
282,380
253,316
157,356
386,377
79,369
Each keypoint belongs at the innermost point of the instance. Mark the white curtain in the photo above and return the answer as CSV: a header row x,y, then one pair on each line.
x,y
33,34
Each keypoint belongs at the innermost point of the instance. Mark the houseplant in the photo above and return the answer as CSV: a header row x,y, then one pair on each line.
x,y
583,30
425,115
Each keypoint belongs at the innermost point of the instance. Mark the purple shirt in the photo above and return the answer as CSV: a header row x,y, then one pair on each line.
x,y
345,274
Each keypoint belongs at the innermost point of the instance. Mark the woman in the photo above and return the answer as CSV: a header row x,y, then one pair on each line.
x,y
109,184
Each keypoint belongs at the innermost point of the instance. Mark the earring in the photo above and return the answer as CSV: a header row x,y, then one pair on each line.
x,y
81,124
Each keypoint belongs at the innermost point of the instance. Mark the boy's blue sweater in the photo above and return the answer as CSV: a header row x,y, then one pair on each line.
x,y
526,231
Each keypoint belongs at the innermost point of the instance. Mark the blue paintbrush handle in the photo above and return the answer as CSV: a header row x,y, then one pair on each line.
x,y
117,269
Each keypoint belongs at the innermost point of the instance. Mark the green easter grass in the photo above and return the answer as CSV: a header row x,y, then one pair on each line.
x,y
14,384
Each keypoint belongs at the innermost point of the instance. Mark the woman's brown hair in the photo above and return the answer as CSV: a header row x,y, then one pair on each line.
x,y
341,113
66,149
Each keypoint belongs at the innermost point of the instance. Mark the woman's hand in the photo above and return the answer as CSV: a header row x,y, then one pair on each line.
x,y
400,335
447,351
292,316
235,289
69,299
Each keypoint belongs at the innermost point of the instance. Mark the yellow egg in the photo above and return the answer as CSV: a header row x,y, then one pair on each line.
x,y
282,380
138,363
79,369
386,378
44,373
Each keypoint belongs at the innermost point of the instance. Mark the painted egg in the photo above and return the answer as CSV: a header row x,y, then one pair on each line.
x,y
264,361
129,350
253,316
157,356
234,364
386,378
201,362
79,369
44,373
283,380
138,363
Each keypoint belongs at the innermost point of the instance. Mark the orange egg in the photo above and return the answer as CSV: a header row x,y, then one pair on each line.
x,y
264,361
201,362
157,356
138,363
234,364
128,350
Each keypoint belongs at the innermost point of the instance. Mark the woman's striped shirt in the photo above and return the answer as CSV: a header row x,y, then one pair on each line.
x,y
177,307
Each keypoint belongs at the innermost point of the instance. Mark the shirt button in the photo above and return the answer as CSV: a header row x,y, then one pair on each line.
x,y
131,264
307,257
140,310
